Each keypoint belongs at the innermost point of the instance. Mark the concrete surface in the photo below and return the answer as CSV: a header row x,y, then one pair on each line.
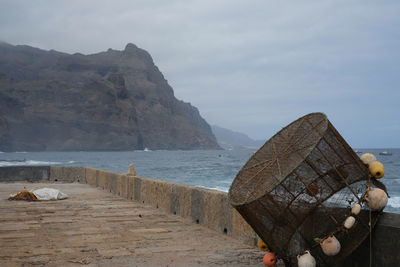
x,y
95,228
209,208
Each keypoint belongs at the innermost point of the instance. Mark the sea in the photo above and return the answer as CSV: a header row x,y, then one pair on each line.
x,y
214,169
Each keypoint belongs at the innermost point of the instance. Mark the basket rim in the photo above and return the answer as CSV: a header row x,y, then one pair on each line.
x,y
287,172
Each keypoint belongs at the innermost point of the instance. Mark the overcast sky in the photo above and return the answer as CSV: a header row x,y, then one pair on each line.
x,y
250,66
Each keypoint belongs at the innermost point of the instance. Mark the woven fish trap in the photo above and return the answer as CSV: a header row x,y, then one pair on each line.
x,y
299,186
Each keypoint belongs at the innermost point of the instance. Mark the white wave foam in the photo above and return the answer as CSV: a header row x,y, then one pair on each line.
x,y
144,150
394,202
36,162
27,163
23,152
219,188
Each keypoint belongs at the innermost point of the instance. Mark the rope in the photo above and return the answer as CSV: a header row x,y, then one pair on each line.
x,y
370,224
370,239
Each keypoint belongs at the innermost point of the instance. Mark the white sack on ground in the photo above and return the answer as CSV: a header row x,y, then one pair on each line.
x,y
49,194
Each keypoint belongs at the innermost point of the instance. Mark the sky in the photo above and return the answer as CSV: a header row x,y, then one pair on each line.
x,y
250,66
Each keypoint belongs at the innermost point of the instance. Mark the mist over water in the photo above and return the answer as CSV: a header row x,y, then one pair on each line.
x,y
213,169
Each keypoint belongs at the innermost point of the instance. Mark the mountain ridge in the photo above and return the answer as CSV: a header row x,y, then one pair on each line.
x,y
229,139
111,100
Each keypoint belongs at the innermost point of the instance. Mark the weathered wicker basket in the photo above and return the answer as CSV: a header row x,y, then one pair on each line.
x,y
299,186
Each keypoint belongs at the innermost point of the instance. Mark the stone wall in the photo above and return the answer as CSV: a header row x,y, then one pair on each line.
x,y
67,174
24,173
210,208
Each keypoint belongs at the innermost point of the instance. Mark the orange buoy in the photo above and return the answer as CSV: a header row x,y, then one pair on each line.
x,y
330,246
270,259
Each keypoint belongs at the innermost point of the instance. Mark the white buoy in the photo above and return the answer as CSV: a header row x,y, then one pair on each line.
x,y
356,209
376,198
349,222
306,260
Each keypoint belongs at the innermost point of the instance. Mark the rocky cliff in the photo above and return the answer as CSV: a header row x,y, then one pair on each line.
x,y
229,139
113,100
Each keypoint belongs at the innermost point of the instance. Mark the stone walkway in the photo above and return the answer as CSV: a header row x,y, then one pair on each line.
x,y
96,228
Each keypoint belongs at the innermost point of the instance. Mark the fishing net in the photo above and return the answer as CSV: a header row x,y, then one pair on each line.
x,y
24,195
300,186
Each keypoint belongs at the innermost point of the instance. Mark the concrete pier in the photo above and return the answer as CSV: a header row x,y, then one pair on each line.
x,y
179,225
95,228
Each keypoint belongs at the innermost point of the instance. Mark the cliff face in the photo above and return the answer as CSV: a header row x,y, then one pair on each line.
x,y
113,100
229,139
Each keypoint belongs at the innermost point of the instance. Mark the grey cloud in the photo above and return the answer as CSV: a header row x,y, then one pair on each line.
x,y
251,66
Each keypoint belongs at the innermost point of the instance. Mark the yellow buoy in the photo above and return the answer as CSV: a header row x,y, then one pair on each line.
x,y
376,169
261,245
367,158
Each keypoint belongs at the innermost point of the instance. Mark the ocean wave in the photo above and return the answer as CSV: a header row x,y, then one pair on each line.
x,y
5,163
219,188
394,202
144,150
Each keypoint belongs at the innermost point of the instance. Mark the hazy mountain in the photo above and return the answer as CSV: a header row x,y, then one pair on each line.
x,y
113,100
228,138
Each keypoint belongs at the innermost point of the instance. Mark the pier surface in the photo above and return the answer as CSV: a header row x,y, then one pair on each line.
x,y
96,228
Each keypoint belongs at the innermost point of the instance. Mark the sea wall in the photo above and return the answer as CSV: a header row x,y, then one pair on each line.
x,y
209,208
25,173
